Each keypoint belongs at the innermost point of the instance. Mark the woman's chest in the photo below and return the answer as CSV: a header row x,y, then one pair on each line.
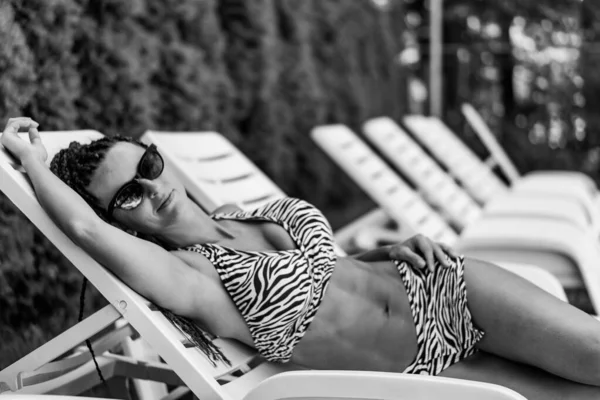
x,y
259,236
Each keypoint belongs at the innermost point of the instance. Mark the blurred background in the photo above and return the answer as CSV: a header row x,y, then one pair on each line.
x,y
264,73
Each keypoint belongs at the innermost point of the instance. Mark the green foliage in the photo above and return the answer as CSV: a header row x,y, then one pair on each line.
x,y
262,72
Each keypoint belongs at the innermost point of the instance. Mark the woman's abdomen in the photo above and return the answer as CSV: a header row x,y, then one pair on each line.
x,y
363,323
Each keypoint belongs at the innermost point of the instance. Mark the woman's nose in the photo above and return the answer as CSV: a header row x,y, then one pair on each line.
x,y
151,187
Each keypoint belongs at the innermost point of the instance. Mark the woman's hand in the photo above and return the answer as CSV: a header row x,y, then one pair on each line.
x,y
422,252
19,147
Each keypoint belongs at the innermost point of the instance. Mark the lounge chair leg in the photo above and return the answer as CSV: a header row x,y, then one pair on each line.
x,y
56,347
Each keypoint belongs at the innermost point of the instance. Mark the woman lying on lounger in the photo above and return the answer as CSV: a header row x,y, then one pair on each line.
x,y
269,278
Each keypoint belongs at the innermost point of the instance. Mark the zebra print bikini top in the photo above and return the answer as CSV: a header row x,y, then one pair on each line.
x,y
279,292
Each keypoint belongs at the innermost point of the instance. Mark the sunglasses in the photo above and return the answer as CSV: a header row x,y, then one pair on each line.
x,y
131,194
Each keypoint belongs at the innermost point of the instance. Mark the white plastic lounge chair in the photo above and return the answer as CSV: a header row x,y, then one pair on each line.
x,y
440,189
172,145
47,370
558,247
484,185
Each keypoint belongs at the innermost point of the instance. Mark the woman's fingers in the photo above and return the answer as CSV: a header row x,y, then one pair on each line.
x,y
449,250
34,135
441,256
36,141
15,124
21,148
403,253
425,247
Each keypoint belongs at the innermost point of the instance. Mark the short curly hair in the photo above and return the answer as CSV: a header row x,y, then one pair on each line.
x,y
76,164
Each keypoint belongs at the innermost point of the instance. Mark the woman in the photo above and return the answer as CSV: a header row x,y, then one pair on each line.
x,y
269,278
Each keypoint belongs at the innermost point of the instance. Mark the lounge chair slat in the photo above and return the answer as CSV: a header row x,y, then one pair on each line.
x,y
59,345
55,368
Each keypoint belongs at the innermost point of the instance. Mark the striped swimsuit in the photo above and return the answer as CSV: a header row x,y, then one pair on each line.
x,y
279,292
438,301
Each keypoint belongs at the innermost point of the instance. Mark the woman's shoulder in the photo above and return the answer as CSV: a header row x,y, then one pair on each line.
x,y
302,210
282,207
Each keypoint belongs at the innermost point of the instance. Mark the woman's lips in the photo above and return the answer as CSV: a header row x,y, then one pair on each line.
x,y
167,201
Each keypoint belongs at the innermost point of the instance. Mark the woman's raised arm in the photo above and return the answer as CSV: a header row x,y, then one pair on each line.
x,y
52,193
147,268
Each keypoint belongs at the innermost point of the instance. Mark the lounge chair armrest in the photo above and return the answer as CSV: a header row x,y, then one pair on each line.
x,y
374,385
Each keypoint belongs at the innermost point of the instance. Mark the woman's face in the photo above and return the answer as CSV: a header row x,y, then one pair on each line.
x,y
164,199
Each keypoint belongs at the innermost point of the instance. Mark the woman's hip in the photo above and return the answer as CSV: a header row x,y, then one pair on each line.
x,y
443,323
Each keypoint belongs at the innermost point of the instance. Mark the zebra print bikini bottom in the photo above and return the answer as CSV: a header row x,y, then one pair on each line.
x,y
443,322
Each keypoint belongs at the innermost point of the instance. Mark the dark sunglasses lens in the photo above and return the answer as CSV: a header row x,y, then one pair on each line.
x,y
130,197
152,165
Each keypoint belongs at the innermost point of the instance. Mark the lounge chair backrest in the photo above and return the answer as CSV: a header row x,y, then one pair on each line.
x,y
456,157
497,153
413,162
165,339
214,170
377,179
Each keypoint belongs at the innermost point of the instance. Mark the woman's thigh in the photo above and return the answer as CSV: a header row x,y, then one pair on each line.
x,y
531,382
526,324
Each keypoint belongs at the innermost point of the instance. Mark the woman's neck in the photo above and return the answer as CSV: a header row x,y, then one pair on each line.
x,y
194,228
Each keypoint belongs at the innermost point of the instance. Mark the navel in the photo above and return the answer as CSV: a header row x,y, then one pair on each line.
x,y
387,309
